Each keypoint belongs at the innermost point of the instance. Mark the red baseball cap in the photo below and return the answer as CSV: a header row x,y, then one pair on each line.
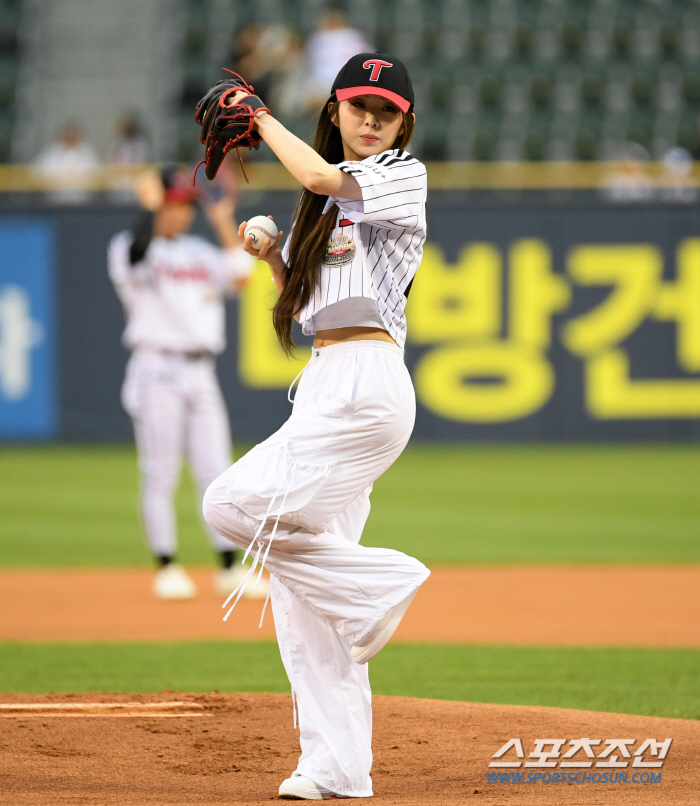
x,y
375,74
177,185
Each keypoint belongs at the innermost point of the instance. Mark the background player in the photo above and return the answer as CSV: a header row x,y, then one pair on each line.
x,y
172,286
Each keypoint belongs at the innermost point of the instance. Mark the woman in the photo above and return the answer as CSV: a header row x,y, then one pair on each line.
x,y
300,499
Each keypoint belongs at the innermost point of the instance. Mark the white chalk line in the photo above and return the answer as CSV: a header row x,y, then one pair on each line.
x,y
92,706
160,710
105,715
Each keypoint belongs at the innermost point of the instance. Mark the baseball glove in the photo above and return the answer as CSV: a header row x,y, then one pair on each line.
x,y
225,127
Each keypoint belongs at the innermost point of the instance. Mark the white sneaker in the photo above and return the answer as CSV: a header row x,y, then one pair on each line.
x,y
378,637
228,579
172,582
299,787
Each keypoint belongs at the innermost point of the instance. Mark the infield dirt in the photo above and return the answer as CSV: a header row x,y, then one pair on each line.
x,y
556,606
237,748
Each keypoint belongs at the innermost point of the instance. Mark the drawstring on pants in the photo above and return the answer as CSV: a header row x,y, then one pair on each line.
x,y
314,352
291,386
238,592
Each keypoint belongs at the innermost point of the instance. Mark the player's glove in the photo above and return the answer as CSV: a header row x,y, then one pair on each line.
x,y
225,127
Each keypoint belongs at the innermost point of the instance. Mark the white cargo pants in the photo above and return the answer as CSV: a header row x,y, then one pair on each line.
x,y
177,409
305,493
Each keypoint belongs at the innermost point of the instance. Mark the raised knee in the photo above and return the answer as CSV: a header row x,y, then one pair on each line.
x,y
212,505
225,518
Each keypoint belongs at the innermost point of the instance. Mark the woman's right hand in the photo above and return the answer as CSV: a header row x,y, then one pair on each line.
x,y
269,249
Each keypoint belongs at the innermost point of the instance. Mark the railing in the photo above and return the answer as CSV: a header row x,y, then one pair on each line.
x,y
441,176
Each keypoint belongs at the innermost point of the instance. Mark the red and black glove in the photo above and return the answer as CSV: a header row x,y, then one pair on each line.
x,y
225,127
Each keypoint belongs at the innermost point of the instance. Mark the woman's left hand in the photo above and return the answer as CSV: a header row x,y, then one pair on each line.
x,y
232,100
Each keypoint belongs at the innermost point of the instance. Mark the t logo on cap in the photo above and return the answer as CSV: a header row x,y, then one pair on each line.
x,y
376,66
364,74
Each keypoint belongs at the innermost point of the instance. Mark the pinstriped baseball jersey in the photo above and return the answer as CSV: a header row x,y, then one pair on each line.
x,y
377,244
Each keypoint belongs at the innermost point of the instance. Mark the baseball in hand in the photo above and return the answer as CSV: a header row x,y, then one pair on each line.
x,y
260,227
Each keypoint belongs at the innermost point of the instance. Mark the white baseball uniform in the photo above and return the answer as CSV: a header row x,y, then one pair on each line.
x,y
173,301
301,498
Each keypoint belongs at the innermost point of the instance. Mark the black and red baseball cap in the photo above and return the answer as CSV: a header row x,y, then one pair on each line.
x,y
375,74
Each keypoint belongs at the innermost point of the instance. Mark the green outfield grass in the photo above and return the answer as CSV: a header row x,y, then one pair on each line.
x,y
636,681
76,505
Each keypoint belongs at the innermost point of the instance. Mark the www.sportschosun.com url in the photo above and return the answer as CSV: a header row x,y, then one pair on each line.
x,y
573,777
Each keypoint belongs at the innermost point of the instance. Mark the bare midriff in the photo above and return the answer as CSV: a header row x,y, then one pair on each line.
x,y
324,338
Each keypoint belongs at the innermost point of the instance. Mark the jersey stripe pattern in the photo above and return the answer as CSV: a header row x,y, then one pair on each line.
x,y
377,244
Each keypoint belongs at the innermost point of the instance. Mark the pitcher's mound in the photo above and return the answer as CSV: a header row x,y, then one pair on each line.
x,y
176,749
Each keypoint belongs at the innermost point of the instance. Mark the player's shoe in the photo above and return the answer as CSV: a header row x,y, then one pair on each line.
x,y
228,579
172,582
378,637
299,787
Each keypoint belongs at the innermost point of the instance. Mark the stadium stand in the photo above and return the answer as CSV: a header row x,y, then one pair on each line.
x,y
92,62
9,60
502,79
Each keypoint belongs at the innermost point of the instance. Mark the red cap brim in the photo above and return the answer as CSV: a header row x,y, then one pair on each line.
x,y
353,92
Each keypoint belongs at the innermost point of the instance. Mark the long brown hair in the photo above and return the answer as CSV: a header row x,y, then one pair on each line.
x,y
312,229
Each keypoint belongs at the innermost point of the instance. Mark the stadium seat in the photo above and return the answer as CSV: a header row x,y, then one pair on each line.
x,y
583,75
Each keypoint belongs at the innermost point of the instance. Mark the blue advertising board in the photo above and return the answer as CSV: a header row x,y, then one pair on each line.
x,y
28,394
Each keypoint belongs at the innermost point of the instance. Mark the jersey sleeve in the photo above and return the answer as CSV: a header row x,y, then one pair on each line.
x,y
394,186
125,277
